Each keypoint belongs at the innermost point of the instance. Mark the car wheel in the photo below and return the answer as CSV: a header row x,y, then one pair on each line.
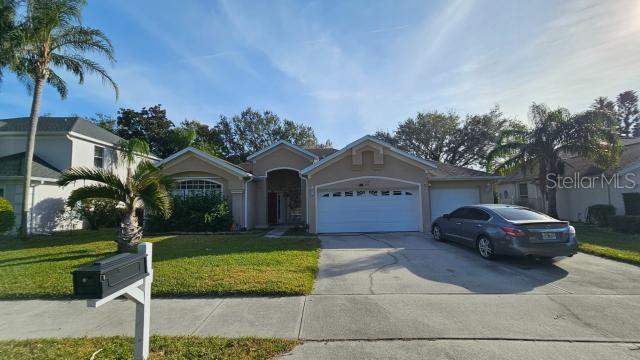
x,y
437,233
485,248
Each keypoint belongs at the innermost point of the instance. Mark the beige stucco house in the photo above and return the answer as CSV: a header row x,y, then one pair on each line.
x,y
366,186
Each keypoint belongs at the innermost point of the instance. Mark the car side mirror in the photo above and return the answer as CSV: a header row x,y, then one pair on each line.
x,y
446,216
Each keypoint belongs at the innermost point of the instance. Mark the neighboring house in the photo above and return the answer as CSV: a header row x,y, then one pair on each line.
x,y
521,187
367,186
61,143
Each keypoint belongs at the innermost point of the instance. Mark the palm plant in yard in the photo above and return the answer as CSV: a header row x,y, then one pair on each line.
x,y
556,134
144,185
47,38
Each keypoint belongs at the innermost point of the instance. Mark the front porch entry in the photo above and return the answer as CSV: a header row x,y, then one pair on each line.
x,y
284,197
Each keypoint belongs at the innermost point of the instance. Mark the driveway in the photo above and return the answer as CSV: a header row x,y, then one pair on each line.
x,y
406,286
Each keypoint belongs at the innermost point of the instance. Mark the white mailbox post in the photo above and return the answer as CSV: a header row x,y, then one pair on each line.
x,y
140,293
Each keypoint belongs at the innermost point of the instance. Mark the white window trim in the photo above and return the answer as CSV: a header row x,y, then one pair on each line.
x,y
520,194
104,162
212,179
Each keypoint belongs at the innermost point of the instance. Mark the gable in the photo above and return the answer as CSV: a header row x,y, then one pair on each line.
x,y
282,144
280,157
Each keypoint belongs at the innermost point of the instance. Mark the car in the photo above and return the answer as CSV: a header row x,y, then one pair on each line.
x,y
497,229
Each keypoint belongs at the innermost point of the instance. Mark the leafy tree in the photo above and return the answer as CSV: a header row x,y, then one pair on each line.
x,y
50,38
143,185
149,124
628,113
104,121
556,134
7,32
442,137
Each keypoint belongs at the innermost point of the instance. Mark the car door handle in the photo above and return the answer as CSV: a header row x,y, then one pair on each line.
x,y
459,223
478,225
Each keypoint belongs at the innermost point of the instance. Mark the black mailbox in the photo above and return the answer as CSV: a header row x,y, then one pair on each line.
x,y
106,276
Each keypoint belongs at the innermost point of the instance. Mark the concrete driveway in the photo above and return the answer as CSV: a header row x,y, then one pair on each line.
x,y
406,286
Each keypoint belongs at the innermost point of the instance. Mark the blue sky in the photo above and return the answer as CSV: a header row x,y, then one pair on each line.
x,y
349,68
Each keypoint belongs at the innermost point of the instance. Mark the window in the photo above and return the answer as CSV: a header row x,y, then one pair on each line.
x,y
348,193
325,195
397,192
373,192
360,193
515,213
337,194
461,213
523,190
384,192
408,193
98,157
1,192
477,214
197,187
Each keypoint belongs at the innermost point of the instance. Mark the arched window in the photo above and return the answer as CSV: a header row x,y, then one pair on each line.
x,y
191,187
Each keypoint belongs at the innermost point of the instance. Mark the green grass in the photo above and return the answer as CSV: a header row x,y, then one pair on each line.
x,y
161,347
185,265
297,231
606,243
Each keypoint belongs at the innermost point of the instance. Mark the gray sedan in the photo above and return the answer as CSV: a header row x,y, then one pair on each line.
x,y
495,229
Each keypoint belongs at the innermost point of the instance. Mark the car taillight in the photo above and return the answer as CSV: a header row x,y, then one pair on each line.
x,y
512,231
572,230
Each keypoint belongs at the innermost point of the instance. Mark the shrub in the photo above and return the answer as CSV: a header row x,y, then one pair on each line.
x,y
626,224
631,203
599,214
101,213
7,217
196,213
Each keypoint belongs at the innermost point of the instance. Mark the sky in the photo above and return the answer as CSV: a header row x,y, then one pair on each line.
x,y
350,68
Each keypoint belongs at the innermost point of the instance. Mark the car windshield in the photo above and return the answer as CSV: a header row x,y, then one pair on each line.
x,y
516,214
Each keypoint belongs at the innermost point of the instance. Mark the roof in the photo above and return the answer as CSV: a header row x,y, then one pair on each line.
x,y
297,148
60,125
13,165
451,171
234,169
322,152
336,154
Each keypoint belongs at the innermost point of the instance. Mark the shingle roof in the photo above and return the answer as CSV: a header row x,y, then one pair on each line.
x,y
322,152
448,170
13,165
62,125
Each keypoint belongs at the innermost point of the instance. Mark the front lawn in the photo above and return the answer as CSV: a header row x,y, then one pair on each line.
x,y
609,244
185,265
161,347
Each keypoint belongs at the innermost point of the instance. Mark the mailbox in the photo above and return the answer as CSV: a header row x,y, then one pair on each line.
x,y
106,276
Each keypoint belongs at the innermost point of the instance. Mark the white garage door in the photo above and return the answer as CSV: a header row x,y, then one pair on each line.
x,y
445,200
368,210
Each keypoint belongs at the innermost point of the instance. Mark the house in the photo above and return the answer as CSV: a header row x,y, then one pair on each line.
x,y
584,184
61,143
366,186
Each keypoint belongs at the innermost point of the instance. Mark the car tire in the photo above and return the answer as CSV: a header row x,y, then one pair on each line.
x,y
485,248
437,233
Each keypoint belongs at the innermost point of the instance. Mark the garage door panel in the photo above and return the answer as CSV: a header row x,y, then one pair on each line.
x,y
367,211
445,200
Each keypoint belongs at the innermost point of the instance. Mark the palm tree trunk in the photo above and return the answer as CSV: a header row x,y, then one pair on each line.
x,y
130,233
28,158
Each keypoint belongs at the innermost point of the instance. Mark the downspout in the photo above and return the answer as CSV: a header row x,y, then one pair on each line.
x,y
246,202
306,197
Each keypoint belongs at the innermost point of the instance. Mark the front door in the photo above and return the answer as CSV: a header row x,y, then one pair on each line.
x,y
272,208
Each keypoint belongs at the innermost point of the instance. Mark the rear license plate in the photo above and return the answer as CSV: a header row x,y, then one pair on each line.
x,y
549,236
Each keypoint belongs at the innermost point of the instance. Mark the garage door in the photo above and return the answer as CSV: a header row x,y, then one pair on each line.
x,y
445,200
368,210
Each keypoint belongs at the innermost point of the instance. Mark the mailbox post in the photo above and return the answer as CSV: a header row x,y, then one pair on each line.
x,y
130,275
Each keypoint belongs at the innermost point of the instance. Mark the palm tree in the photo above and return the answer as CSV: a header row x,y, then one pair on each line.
x,y
7,27
143,185
50,38
556,134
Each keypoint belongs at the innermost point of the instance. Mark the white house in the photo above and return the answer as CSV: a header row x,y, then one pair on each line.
x,y
61,143
584,185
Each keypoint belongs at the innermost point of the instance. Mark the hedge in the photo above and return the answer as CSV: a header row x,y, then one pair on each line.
x,y
631,203
7,217
626,224
599,214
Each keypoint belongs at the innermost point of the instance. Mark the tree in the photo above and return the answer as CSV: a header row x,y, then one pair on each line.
x,y
556,134
104,121
603,103
7,32
52,38
628,113
143,185
149,124
443,137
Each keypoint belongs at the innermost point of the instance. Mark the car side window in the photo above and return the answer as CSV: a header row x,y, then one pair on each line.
x,y
461,213
477,214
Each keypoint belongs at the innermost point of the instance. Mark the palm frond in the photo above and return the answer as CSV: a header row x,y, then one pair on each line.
x,y
59,84
156,198
99,175
84,39
95,192
78,66
130,148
